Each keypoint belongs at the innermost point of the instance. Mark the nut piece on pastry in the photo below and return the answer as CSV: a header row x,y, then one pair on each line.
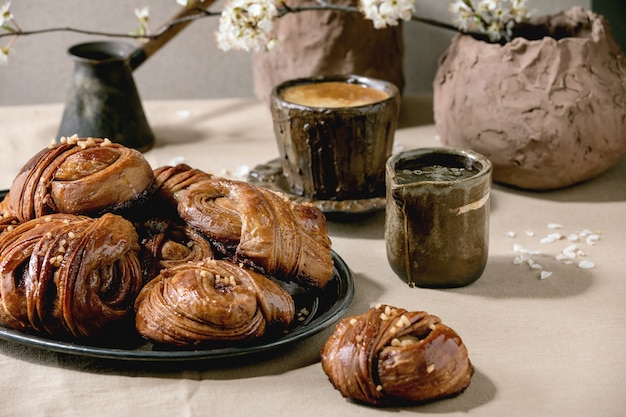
x,y
69,276
80,176
7,219
261,229
391,356
211,301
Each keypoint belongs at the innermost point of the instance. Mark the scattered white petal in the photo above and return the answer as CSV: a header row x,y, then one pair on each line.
x,y
586,264
573,237
569,254
552,237
545,274
570,248
240,172
177,160
183,113
518,260
592,239
519,248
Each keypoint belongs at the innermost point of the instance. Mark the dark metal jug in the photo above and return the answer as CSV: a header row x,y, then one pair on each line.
x,y
103,100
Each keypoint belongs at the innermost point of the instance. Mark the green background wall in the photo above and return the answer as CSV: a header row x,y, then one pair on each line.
x,y
615,12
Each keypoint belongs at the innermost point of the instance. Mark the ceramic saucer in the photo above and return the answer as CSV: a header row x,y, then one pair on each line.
x,y
270,175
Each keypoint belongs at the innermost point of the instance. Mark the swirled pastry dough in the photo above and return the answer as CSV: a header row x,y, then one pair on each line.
x,y
211,301
166,243
389,356
261,229
69,276
80,176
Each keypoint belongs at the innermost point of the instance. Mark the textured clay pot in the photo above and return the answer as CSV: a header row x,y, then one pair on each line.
x,y
313,43
547,108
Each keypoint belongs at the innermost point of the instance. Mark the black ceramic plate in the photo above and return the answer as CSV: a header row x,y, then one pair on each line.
x,y
323,309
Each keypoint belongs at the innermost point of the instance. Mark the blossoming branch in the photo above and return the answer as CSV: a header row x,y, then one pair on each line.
x,y
248,24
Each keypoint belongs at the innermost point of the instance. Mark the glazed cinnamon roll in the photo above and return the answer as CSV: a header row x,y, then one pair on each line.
x,y
171,180
211,302
261,229
391,356
166,243
69,276
8,220
80,176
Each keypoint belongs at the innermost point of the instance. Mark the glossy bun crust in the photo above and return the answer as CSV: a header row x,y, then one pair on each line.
x,y
250,225
97,246
211,301
80,176
69,276
391,356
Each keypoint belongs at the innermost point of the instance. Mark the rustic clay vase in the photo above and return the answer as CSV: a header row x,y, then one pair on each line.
x,y
327,42
547,108
437,217
335,153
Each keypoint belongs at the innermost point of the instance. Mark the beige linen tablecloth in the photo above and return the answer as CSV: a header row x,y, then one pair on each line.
x,y
552,347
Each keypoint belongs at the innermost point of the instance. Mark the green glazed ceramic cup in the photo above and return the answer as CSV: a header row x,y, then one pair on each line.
x,y
335,153
437,217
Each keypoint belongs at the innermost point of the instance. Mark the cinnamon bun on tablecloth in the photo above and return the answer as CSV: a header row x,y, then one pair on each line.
x,y
391,356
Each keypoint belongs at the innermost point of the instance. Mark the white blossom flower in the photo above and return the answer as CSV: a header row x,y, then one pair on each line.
x,y
183,2
247,25
5,13
385,13
494,18
143,15
4,56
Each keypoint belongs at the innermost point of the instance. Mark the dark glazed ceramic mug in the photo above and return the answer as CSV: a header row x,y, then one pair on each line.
x,y
335,134
437,217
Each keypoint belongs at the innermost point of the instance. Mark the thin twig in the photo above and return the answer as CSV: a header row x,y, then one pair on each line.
x,y
323,5
202,13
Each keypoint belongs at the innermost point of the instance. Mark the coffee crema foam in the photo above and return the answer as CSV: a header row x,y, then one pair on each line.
x,y
333,94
